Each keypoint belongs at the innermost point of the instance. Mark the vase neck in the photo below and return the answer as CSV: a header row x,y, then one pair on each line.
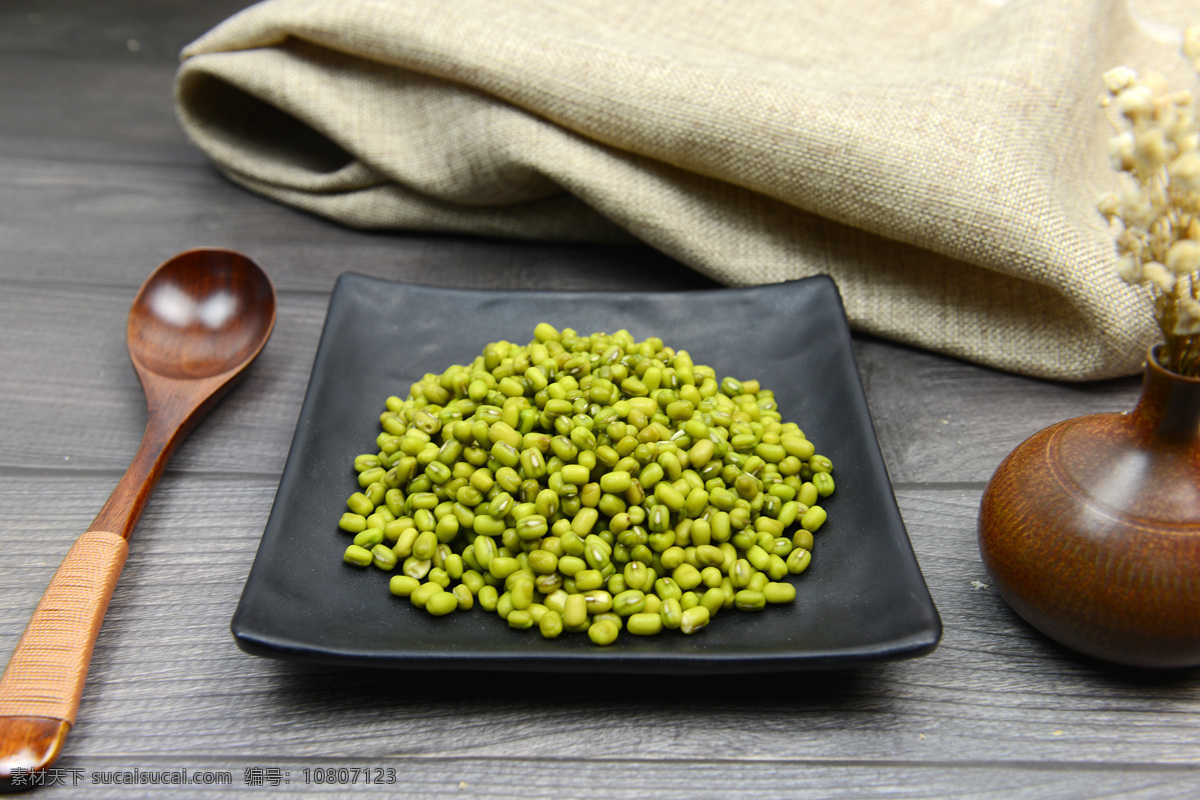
x,y
1170,403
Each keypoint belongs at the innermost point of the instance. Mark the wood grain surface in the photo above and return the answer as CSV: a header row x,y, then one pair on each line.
x,y
98,186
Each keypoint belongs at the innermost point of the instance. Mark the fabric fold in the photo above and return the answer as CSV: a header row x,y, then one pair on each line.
x,y
939,159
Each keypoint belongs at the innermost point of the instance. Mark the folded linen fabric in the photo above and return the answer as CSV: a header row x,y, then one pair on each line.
x,y
939,158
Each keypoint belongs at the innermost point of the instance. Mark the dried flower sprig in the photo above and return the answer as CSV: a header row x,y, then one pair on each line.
x,y
1156,220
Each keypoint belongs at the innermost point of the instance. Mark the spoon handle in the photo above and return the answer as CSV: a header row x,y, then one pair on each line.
x,y
41,687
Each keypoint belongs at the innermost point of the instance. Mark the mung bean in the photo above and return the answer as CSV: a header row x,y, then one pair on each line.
x,y
644,624
603,632
442,603
359,556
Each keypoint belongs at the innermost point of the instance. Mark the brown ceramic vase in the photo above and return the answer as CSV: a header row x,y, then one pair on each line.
x,y
1090,529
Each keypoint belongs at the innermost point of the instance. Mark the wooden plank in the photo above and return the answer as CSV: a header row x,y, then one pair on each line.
x,y
77,108
68,28
168,678
940,420
521,778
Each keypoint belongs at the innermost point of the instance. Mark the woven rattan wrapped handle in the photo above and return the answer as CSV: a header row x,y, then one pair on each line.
x,y
41,687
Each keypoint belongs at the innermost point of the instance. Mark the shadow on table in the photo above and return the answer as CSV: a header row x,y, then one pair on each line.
x,y
354,688
1101,676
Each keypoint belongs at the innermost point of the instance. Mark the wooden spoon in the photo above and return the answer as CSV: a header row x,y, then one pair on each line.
x,y
195,325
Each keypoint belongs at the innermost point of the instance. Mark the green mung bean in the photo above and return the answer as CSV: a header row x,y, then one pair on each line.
x,y
359,556
749,600
757,581
798,560
464,596
813,519
368,538
713,600
488,597
644,624
403,585
424,592
575,610
442,603
779,592
416,567
521,619
630,601
551,624
603,632
383,557
358,503
352,523
802,538
694,619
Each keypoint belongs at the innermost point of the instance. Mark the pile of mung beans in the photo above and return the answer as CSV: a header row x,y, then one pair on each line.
x,y
588,484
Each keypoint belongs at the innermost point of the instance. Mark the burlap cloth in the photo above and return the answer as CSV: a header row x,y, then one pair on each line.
x,y
939,158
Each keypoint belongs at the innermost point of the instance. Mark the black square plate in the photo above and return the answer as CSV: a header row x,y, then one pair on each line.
x,y
862,600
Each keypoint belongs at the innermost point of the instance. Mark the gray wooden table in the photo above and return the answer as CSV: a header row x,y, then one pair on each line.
x,y
98,186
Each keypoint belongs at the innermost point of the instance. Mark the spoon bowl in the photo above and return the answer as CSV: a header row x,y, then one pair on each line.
x,y
203,313
198,321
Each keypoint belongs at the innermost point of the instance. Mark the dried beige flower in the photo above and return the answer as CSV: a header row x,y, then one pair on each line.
x,y
1191,45
1159,275
1151,146
1183,258
1137,209
1188,323
1185,172
1130,269
1136,101
1122,150
1118,78
1155,219
1108,205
